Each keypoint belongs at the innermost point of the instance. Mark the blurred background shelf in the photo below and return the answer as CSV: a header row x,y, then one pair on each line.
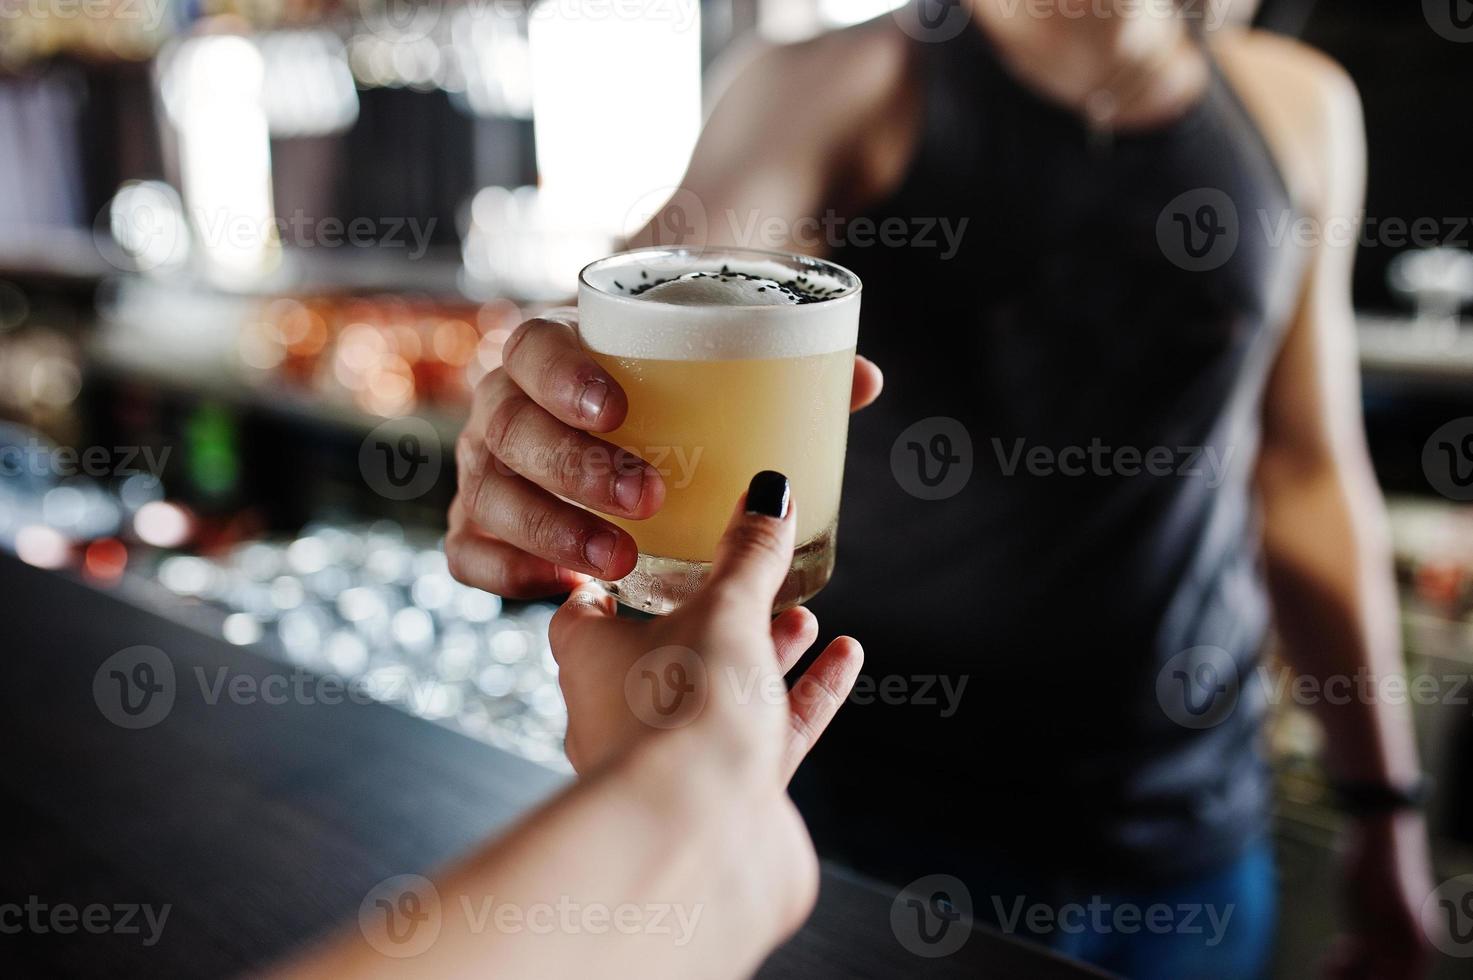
x,y
253,359
1401,349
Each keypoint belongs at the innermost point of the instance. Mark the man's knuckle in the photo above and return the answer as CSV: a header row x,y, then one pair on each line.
x,y
553,375
457,562
569,467
539,527
481,499
514,343
492,380
467,453
505,429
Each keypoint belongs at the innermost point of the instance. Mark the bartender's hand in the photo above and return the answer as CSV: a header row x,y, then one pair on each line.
x,y
527,442
711,672
1387,876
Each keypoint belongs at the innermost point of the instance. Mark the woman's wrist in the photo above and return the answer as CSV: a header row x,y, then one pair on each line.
x,y
737,837
694,778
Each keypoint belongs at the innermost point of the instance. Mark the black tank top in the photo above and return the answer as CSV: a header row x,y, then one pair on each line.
x,y
1104,614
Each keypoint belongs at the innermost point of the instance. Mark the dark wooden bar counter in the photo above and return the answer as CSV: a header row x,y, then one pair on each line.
x,y
262,826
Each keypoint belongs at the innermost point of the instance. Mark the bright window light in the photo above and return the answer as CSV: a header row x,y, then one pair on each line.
x,y
308,89
795,20
841,13
212,88
617,103
491,48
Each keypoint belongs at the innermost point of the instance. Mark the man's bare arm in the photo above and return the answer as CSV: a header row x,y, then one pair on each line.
x,y
1327,543
799,130
1328,548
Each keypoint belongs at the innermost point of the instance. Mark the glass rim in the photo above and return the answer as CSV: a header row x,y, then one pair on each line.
x,y
853,286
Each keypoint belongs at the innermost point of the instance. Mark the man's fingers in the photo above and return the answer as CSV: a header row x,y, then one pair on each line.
x,y
868,382
546,361
523,437
753,556
793,632
483,562
530,518
817,696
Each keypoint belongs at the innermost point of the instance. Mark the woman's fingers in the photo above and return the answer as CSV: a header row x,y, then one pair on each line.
x,y
588,620
754,554
868,382
817,696
793,632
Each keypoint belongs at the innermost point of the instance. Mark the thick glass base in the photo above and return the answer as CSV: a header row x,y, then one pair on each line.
x,y
659,585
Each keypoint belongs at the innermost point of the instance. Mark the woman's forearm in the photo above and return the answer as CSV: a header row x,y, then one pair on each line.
x,y
654,867
678,854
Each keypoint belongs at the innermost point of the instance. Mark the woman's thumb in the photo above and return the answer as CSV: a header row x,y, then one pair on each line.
x,y
754,554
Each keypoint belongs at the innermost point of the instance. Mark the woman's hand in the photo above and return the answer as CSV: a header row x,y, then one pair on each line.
x,y
712,670
683,807
531,445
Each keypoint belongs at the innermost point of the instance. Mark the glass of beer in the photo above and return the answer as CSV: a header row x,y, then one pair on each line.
x,y
734,361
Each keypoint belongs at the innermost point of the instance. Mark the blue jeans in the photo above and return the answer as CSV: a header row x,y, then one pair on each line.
x,y
1220,924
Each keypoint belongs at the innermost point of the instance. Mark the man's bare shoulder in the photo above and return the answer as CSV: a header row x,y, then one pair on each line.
x,y
1319,82
1306,105
827,78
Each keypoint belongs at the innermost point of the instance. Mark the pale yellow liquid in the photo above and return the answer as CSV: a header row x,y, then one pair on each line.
x,y
709,426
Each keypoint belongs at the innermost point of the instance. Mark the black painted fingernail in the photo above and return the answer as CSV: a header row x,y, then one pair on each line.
x,y
768,495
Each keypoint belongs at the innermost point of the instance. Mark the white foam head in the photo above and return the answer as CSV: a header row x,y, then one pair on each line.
x,y
715,289
708,305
